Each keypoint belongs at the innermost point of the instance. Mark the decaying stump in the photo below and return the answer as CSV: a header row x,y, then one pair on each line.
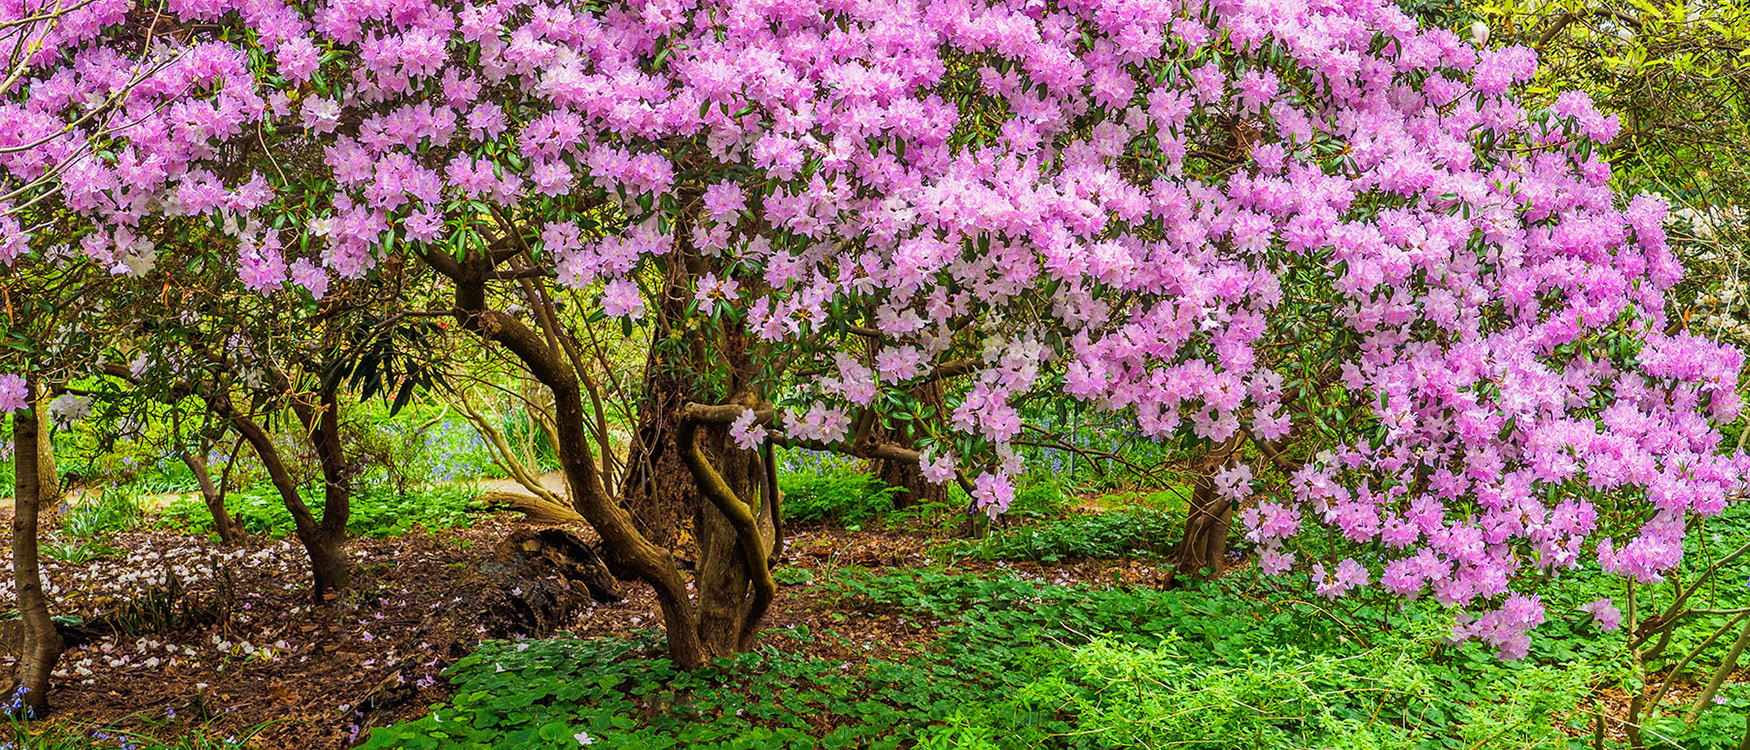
x,y
546,576
547,513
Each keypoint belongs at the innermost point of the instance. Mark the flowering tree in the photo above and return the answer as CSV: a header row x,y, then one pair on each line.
x,y
818,207
39,351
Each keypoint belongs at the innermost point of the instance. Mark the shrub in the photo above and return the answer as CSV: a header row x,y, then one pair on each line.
x,y
835,495
1039,497
115,509
1136,531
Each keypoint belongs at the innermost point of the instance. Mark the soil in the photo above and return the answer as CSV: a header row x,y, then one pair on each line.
x,y
244,646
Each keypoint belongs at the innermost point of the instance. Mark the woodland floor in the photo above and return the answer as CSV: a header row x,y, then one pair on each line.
x,y
245,647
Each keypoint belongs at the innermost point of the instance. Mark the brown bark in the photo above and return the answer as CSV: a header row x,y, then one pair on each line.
x,y
328,565
735,579
656,486
326,542
42,643
1203,550
230,533
544,576
536,510
727,599
650,562
665,488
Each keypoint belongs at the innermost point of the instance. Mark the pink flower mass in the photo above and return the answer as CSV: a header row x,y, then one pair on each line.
x,y
14,393
1504,307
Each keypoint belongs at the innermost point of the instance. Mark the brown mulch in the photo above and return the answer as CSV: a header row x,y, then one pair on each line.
x,y
247,646
249,651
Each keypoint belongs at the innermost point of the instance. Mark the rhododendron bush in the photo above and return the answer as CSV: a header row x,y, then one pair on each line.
x,y
1122,202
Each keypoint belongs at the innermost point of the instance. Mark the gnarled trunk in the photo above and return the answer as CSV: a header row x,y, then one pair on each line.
x,y
732,576
656,486
42,643
1203,550
730,606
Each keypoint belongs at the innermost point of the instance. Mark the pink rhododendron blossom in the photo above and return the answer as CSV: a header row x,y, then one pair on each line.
x,y
310,276
992,493
621,299
1348,575
1604,613
261,267
713,291
1275,561
297,58
820,423
745,432
808,174
1234,482
939,469
14,393
723,199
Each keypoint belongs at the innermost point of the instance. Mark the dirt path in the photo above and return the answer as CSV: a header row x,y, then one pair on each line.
x,y
553,481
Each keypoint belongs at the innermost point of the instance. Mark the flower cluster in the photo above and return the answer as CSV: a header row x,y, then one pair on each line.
x,y
1118,199
14,393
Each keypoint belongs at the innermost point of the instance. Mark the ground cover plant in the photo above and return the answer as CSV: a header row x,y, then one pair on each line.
x,y
1016,661
972,373
376,511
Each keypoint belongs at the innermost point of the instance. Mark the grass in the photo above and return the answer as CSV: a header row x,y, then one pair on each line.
x,y
18,733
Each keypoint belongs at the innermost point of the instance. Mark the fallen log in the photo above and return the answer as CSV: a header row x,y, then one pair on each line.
x,y
535,509
544,577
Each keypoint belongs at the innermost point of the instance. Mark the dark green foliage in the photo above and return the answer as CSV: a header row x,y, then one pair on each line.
x,y
401,360
1137,531
1019,663
114,510
1039,497
75,550
834,495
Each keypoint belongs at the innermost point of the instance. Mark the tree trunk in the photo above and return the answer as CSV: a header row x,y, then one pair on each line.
x,y
42,643
327,545
726,622
624,537
230,534
656,487
664,493
330,571
49,492
1203,550
652,563
328,565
